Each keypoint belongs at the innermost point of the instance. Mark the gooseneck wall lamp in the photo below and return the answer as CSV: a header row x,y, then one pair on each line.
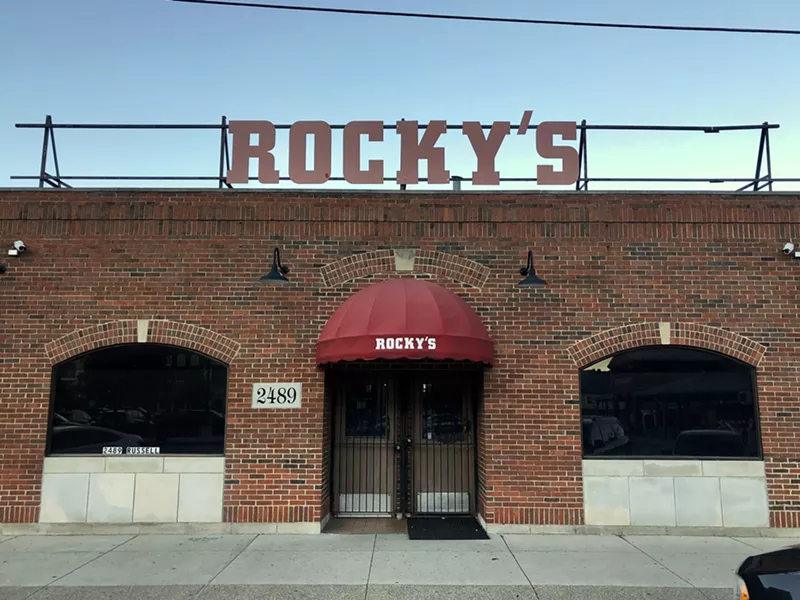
x,y
529,272
278,271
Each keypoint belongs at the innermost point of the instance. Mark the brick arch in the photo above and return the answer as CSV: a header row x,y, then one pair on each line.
x,y
430,262
111,333
716,339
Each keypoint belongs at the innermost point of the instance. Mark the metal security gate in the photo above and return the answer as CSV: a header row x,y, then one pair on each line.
x,y
364,450
404,443
443,443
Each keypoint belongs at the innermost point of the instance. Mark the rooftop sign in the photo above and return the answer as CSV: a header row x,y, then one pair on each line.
x,y
548,142
413,150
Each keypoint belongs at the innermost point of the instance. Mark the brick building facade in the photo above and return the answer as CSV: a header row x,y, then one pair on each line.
x,y
182,268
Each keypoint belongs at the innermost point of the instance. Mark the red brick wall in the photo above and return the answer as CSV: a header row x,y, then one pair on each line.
x,y
194,259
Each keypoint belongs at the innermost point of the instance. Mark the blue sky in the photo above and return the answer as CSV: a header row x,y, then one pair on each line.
x,y
139,61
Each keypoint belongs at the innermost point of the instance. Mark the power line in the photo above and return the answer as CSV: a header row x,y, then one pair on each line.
x,y
446,17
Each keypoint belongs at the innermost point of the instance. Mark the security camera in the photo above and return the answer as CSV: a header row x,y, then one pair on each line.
x,y
20,246
2,268
788,248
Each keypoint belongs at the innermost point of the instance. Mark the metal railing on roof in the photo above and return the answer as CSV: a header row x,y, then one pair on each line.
x,y
762,180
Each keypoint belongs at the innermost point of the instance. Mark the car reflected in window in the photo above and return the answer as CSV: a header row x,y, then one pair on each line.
x,y
85,439
710,442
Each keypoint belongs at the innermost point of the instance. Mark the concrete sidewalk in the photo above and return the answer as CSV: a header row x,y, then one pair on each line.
x,y
229,567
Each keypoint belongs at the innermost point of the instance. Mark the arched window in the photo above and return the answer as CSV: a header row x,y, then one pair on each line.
x,y
666,402
146,396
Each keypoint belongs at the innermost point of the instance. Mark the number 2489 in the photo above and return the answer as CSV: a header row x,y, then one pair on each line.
x,y
280,395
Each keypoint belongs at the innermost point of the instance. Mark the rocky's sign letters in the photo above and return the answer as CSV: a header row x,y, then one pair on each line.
x,y
405,343
412,151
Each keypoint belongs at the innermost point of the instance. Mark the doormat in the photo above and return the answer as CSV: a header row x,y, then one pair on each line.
x,y
445,528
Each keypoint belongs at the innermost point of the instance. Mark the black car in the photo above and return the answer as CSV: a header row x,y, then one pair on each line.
x,y
770,576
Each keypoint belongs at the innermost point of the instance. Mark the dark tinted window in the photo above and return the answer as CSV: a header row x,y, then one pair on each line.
x,y
139,395
365,410
661,402
443,416
777,586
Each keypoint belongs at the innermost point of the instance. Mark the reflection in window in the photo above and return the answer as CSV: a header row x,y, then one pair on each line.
x,y
660,402
443,413
139,395
366,410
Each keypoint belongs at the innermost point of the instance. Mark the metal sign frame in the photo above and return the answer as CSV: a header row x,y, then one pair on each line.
x,y
762,180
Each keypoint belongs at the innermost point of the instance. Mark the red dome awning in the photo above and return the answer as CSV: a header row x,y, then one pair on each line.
x,y
404,318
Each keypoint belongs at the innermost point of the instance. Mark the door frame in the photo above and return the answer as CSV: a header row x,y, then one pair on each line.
x,y
403,410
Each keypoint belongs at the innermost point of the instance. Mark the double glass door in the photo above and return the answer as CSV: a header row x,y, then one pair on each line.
x,y
404,443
